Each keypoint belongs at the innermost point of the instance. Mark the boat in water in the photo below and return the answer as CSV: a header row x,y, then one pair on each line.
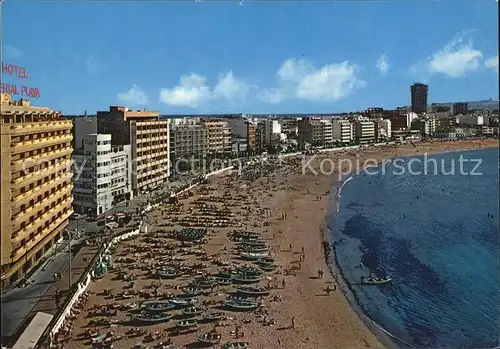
x,y
373,280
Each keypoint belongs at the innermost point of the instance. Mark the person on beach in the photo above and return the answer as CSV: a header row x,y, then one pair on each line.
x,y
293,321
303,253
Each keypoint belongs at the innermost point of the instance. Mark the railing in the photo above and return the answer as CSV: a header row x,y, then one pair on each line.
x,y
53,327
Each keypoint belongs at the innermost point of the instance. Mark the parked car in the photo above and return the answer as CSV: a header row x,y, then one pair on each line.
x,y
76,216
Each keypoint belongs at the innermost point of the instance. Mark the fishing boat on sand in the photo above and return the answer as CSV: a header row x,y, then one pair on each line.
x,y
252,291
245,279
253,256
254,249
184,302
375,280
187,323
264,261
204,283
192,311
213,316
241,304
192,291
151,318
268,267
256,243
157,306
225,281
211,338
236,345
167,273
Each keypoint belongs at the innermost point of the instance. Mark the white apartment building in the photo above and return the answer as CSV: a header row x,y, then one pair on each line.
x,y
383,128
364,130
428,126
410,116
327,132
342,131
185,120
102,174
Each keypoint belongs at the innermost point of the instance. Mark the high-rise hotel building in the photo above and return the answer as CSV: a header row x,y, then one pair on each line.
x,y
149,140
36,184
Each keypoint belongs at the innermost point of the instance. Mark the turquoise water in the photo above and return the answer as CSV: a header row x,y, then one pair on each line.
x,y
435,234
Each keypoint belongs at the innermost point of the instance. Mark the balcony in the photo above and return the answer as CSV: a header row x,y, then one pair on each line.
x,y
22,164
39,143
46,201
26,180
20,251
17,201
21,234
37,127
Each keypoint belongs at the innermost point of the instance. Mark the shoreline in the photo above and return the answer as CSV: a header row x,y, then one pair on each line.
x,y
384,336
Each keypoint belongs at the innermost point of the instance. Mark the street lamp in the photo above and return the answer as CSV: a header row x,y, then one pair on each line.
x,y
70,239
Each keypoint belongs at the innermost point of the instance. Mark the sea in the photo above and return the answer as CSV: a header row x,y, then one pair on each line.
x,y
436,232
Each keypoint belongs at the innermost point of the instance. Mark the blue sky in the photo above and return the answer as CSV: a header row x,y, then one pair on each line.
x,y
262,57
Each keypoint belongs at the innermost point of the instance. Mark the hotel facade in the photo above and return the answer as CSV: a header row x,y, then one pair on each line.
x,y
36,186
149,140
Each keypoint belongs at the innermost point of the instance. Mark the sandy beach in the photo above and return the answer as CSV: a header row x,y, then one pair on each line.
x,y
286,208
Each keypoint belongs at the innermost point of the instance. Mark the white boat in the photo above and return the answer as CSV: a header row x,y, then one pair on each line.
x,y
184,302
254,255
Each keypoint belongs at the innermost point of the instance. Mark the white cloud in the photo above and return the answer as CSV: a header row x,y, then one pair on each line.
x,y
455,59
273,95
134,96
492,63
295,79
230,88
300,79
11,52
383,64
193,90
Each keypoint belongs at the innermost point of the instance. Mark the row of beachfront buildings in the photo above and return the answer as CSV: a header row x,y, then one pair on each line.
x,y
54,165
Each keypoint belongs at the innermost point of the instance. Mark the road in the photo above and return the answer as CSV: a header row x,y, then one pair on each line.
x,y
20,303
